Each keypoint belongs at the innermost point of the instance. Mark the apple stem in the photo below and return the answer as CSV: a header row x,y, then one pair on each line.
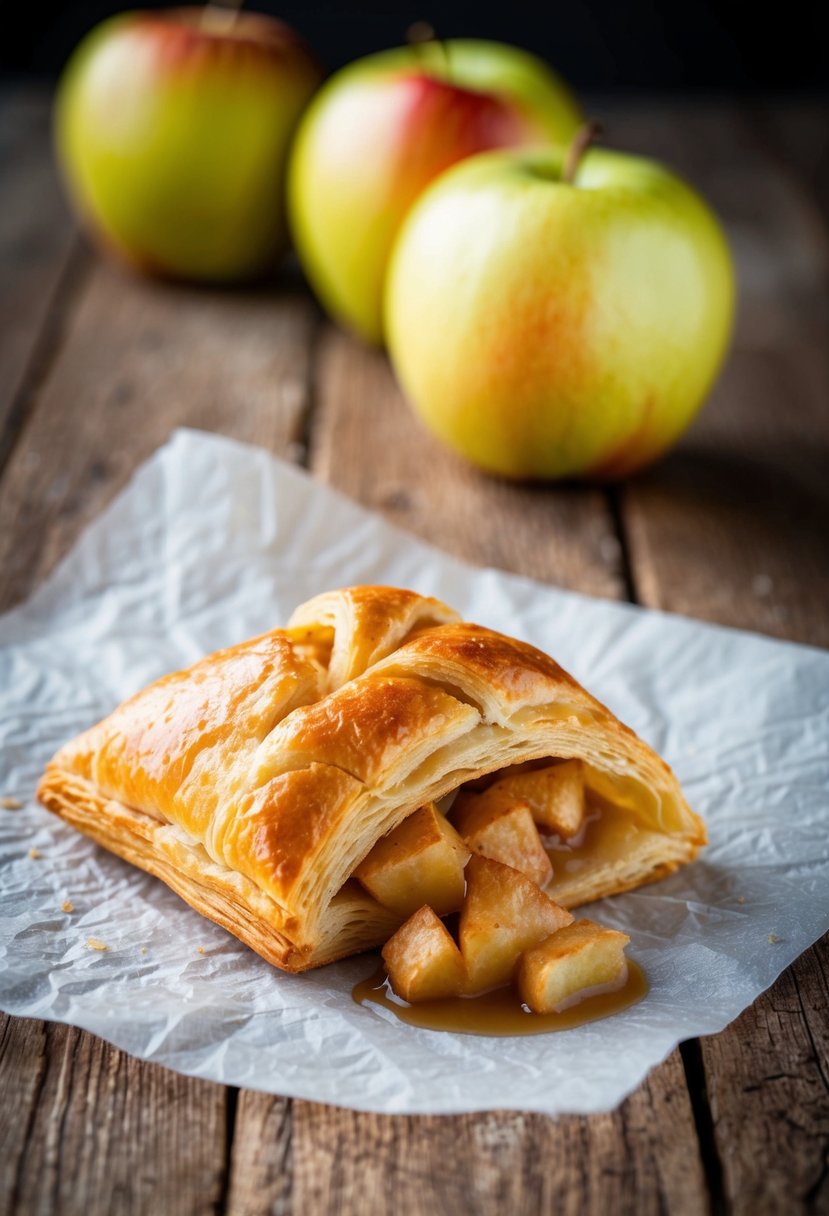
x,y
221,16
582,140
421,33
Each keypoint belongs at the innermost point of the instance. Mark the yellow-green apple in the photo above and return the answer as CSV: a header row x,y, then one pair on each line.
x,y
381,129
551,324
172,130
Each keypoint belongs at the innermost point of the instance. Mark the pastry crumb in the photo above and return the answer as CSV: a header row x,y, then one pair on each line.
x,y
143,949
34,853
67,906
741,899
199,949
11,804
95,943
773,938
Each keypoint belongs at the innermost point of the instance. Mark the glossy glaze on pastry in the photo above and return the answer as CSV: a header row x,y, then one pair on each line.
x,y
256,781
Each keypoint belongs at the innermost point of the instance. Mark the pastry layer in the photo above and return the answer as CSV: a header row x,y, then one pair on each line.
x,y
354,921
256,781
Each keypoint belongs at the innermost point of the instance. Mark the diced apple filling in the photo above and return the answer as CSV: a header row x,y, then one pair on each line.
x,y
422,961
420,862
580,960
555,795
509,928
504,914
498,826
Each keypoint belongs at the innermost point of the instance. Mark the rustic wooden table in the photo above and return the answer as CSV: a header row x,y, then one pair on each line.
x,y
98,367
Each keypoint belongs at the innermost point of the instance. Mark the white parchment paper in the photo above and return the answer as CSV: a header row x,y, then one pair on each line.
x,y
214,541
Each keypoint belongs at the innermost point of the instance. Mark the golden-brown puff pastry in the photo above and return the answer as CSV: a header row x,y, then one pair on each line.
x,y
255,782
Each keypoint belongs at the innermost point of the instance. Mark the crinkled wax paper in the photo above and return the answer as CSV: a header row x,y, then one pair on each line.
x,y
214,541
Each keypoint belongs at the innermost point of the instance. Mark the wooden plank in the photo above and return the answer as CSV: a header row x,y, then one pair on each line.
x,y
88,1129
637,1161
140,358
367,443
768,1081
798,134
37,238
261,1175
105,1133
22,1065
733,528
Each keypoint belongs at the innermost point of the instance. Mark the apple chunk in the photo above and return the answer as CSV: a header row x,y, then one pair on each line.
x,y
501,827
422,961
503,914
555,795
420,862
578,961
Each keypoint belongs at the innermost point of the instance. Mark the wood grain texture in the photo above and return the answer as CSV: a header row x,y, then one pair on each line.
x,y
768,1081
733,528
140,358
37,239
797,134
261,1175
99,1132
369,444
22,1065
86,1128
502,1162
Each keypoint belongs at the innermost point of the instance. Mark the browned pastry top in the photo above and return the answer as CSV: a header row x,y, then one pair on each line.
x,y
282,760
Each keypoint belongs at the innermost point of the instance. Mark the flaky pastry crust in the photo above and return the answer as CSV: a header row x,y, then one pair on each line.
x,y
254,782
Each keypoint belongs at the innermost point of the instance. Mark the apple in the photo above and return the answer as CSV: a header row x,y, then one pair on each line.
x,y
554,317
172,131
382,129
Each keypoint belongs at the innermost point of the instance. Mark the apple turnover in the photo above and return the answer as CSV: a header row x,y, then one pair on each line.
x,y
295,788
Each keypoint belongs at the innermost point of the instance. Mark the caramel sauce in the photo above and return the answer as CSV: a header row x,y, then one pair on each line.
x,y
499,1012
607,834
611,824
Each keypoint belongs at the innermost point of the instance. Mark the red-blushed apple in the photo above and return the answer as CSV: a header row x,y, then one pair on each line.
x,y
545,327
383,128
172,131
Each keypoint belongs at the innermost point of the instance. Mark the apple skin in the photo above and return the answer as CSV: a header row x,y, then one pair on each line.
x,y
381,130
172,131
548,330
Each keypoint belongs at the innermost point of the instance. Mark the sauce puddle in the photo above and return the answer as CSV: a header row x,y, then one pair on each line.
x,y
499,1012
